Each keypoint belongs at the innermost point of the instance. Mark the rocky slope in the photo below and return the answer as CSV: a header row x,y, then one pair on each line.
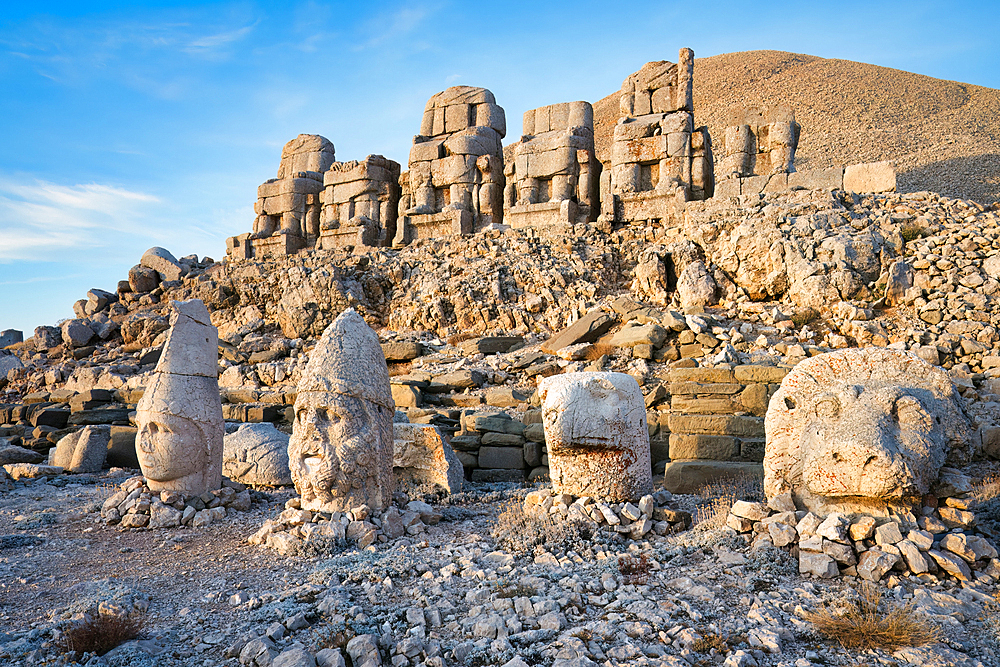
x,y
943,136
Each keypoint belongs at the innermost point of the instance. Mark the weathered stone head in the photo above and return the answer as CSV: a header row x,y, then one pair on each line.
x,y
595,431
860,429
179,441
340,453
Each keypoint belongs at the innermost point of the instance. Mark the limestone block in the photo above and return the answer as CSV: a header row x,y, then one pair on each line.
x,y
142,279
257,454
632,130
306,152
83,451
690,476
421,452
649,149
453,169
492,116
161,261
595,431
340,452
473,141
427,150
874,564
587,329
815,179
817,564
506,458
869,424
76,333
458,117
870,177
693,446
180,438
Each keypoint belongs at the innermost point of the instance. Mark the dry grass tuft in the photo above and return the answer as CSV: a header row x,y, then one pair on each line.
x,y
804,317
634,570
708,641
520,532
987,489
869,623
458,338
718,498
598,350
101,633
400,368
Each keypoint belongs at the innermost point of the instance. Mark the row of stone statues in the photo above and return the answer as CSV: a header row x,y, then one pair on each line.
x,y
847,431
458,182
341,450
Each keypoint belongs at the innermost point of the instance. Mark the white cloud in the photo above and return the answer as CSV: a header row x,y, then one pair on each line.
x,y
38,218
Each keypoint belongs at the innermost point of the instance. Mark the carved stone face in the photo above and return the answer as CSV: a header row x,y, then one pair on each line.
x,y
870,443
340,452
595,431
174,452
857,430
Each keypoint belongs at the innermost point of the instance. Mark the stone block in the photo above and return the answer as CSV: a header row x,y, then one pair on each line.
x,y
760,374
693,446
870,177
691,476
739,426
706,375
587,329
507,458
121,447
703,405
494,475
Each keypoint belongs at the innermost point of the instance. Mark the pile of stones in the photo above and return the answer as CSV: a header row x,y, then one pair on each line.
x,y
940,541
652,514
292,531
134,506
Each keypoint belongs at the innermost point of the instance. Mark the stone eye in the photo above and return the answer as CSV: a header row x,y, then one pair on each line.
x,y
828,408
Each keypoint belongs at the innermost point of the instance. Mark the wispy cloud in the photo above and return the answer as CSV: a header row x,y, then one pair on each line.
x,y
38,218
211,45
389,27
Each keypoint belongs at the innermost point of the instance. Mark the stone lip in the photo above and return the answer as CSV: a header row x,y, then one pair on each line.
x,y
349,360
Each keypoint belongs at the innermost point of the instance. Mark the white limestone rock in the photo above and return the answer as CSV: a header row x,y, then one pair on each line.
x,y
83,451
341,449
422,453
861,427
595,431
179,442
257,454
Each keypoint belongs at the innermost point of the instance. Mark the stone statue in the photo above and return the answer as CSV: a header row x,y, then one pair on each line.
x,y
595,430
179,441
860,429
340,453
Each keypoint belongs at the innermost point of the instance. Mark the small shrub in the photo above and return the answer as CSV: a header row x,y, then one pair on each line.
x,y
520,532
719,495
708,641
400,368
101,633
867,623
804,317
598,350
634,570
987,489
912,232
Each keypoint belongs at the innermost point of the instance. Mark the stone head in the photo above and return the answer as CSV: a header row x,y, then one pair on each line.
x,y
340,452
862,428
595,431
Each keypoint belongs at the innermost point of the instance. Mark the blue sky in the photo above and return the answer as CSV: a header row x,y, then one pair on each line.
x,y
128,125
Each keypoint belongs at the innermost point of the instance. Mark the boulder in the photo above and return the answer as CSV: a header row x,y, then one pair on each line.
x,y
870,177
161,261
596,434
257,454
83,451
13,454
76,333
142,279
422,453
858,426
